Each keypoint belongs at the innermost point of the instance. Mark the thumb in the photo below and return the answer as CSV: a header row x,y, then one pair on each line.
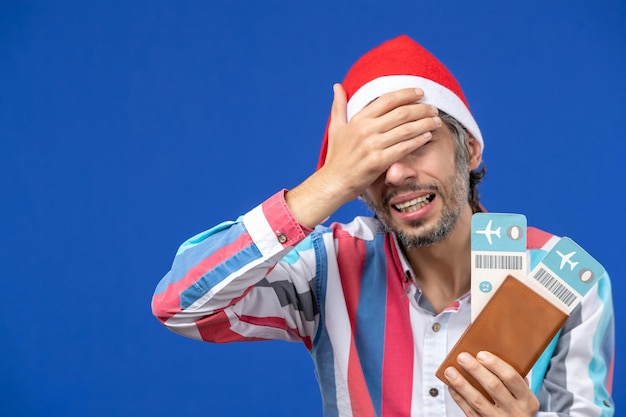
x,y
339,109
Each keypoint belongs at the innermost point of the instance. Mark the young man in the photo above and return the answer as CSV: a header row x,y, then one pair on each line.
x,y
380,301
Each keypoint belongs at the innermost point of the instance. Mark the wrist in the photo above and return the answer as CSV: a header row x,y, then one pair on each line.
x,y
316,199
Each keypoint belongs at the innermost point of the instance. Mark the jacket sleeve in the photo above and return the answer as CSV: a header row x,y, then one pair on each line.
x,y
243,280
579,375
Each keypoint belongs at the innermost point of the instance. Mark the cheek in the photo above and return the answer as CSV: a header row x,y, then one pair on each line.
x,y
375,188
367,197
436,168
373,198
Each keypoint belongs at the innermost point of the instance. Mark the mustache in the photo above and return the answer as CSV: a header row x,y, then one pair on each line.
x,y
409,188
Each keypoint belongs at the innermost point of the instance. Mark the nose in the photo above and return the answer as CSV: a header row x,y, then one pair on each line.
x,y
400,172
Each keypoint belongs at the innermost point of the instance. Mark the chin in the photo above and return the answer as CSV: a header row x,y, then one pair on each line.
x,y
427,236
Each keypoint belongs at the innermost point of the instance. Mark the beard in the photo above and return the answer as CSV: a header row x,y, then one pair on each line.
x,y
454,195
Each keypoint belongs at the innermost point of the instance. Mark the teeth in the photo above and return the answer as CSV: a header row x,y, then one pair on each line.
x,y
414,204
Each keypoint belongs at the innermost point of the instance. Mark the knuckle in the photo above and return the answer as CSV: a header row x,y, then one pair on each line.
x,y
403,113
376,161
508,375
362,130
369,146
387,99
406,130
493,385
356,117
535,404
478,402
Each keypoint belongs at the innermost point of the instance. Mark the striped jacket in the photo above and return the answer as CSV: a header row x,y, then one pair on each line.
x,y
346,291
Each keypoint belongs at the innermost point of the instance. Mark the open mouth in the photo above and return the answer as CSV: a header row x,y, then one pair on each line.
x,y
415,204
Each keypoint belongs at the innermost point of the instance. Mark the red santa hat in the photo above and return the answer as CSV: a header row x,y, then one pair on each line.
x,y
403,63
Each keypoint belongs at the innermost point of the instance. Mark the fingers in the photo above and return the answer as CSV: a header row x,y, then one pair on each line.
x,y
463,404
395,109
468,398
397,116
407,114
390,101
492,384
424,123
514,383
503,383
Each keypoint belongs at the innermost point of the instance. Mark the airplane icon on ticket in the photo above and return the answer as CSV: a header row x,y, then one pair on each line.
x,y
488,232
567,259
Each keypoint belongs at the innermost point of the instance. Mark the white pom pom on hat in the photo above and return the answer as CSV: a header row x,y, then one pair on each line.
x,y
403,63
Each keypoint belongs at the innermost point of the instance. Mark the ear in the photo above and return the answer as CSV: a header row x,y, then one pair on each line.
x,y
475,152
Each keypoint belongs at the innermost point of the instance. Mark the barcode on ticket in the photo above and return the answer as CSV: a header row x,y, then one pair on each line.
x,y
555,287
513,262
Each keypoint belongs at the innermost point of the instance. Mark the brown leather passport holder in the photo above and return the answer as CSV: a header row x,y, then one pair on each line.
x,y
516,324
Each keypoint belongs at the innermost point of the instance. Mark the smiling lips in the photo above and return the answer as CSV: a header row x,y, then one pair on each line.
x,y
414,204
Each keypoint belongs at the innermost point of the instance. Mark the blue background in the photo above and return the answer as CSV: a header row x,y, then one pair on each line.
x,y
128,126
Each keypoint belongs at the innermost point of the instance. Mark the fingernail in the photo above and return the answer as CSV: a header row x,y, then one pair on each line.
x,y
482,356
419,91
451,373
435,110
463,358
437,120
